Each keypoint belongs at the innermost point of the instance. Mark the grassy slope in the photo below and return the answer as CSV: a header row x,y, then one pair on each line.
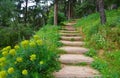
x,y
105,38
50,36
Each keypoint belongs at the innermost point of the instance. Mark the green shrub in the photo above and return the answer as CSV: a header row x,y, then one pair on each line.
x,y
113,59
61,18
99,41
99,64
12,35
29,59
92,52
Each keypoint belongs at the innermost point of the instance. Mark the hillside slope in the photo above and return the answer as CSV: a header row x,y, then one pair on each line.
x,y
105,39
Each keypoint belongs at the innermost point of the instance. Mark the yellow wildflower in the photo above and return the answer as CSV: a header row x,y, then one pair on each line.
x,y
6,48
2,59
19,59
10,70
16,47
41,62
24,72
3,74
32,57
12,52
4,53
32,44
24,43
15,62
39,42
36,37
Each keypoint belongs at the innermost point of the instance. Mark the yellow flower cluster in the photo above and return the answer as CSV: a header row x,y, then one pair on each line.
x,y
3,74
33,57
19,59
32,44
2,59
24,72
6,48
39,42
16,47
12,52
11,70
9,51
36,37
41,62
25,43
4,53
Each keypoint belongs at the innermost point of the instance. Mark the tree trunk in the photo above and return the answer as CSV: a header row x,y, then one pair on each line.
x,y
102,11
56,12
25,18
69,10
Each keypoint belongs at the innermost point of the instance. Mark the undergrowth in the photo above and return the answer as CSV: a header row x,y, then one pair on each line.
x,y
34,58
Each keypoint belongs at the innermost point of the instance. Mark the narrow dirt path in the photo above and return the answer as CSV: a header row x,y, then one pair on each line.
x,y
74,58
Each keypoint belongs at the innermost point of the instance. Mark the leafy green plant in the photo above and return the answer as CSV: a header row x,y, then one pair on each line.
x,y
29,59
99,64
91,52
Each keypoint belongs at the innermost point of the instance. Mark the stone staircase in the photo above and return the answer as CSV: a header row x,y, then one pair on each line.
x,y
73,46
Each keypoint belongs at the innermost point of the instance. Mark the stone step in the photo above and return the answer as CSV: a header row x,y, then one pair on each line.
x,y
69,34
63,31
68,28
70,24
77,72
74,50
75,59
76,38
72,43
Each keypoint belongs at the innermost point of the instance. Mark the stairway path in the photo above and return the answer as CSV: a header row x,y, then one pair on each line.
x,y
73,46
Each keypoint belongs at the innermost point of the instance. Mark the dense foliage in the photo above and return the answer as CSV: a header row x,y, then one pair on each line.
x,y
31,58
14,34
61,18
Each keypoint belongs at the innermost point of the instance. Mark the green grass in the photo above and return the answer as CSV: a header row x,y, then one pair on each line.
x,y
99,35
50,36
91,52
78,64
103,37
81,64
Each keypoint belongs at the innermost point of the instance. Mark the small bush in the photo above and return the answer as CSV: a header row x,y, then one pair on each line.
x,y
91,53
61,18
12,35
29,59
99,64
